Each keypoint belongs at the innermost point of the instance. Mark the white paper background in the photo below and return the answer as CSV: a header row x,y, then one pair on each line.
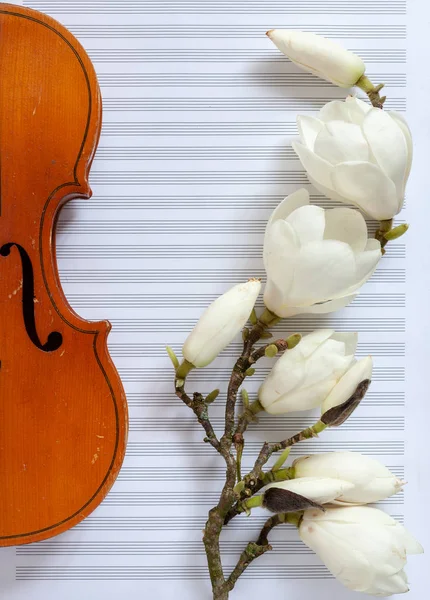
x,y
199,109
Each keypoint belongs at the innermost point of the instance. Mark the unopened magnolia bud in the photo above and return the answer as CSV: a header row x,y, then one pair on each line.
x,y
320,56
220,323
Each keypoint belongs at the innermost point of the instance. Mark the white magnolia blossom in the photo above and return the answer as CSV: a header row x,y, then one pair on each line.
x,y
319,55
316,260
220,323
371,480
363,547
318,489
320,371
357,154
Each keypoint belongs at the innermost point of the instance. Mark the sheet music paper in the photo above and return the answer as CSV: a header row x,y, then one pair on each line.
x,y
199,112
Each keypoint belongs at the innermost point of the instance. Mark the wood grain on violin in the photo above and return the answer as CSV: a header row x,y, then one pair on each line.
x,y
63,415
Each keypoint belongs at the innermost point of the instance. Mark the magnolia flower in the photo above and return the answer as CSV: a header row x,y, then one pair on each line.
x,y
318,489
320,371
316,260
371,480
357,154
220,323
363,547
319,56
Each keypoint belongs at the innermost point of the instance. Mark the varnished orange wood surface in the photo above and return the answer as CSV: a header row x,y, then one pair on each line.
x,y
63,416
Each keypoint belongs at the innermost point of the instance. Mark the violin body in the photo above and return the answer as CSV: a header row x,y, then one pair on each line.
x,y
63,414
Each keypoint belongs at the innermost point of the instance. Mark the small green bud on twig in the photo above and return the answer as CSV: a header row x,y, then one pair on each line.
x,y
293,340
212,397
253,317
180,383
266,335
245,334
271,351
397,232
245,398
173,357
250,372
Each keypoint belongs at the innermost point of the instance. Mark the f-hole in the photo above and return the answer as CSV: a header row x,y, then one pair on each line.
x,y
55,339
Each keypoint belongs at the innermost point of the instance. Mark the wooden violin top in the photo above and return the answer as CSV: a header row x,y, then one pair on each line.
x,y
63,415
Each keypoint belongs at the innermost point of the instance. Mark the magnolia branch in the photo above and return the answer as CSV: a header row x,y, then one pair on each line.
x,y
200,409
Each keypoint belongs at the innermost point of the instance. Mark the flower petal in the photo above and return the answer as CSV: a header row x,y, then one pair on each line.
x,y
329,192
367,186
288,205
349,340
359,372
317,168
280,250
310,343
334,111
388,145
357,109
346,225
366,265
309,128
318,489
340,142
321,308
323,270
308,223
301,399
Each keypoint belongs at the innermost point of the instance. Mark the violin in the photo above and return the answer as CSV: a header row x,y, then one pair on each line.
x,y
63,413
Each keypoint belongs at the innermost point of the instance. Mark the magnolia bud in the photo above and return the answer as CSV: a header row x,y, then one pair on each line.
x,y
220,323
319,56
371,480
319,490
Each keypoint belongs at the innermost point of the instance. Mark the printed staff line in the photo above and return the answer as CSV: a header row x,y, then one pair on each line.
x,y
195,276
156,547
167,573
178,448
195,500
203,300
210,7
302,104
365,31
198,128
173,402
178,226
145,177
192,474
284,424
196,153
264,202
226,55
83,251
142,374
294,324
247,80
174,523
155,350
